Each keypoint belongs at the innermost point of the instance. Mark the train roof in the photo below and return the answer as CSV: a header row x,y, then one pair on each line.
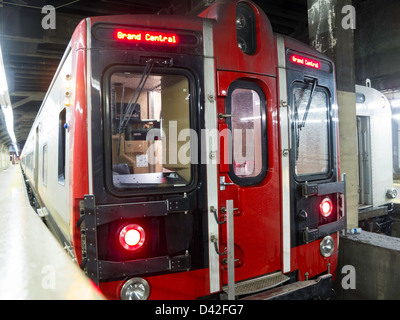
x,y
370,101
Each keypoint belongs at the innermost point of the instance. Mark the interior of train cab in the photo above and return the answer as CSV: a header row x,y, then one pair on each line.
x,y
150,116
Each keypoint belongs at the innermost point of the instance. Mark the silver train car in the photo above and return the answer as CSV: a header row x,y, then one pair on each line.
x,y
375,160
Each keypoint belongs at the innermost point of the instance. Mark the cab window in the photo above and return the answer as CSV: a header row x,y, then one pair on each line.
x,y
311,130
148,114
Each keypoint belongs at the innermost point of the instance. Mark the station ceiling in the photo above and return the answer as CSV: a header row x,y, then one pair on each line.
x,y
31,54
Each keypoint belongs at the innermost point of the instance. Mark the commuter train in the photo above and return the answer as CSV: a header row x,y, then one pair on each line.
x,y
375,160
192,158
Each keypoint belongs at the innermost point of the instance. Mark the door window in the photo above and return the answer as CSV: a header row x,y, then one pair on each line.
x,y
246,104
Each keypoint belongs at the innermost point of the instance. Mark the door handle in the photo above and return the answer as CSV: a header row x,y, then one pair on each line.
x,y
223,116
222,183
227,183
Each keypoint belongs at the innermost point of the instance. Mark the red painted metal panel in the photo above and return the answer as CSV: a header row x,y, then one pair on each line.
x,y
79,185
175,286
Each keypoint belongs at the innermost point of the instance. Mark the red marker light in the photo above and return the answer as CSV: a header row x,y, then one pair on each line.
x,y
304,61
132,237
145,36
326,207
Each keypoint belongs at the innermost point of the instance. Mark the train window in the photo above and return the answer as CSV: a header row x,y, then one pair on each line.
x,y
61,146
44,165
246,103
150,128
311,130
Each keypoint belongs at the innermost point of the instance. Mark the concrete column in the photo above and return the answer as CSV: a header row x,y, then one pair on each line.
x,y
328,36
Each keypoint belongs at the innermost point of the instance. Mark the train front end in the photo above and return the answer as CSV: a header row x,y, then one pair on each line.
x,y
212,158
144,212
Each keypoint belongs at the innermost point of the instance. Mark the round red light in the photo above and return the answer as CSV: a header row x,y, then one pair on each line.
x,y
325,207
132,237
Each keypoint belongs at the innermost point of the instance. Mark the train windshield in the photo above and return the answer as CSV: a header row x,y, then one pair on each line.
x,y
311,126
150,127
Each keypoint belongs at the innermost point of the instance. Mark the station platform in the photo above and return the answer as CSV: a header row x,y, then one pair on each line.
x,y
33,265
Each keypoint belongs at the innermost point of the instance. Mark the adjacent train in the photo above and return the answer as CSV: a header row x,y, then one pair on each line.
x,y
192,157
375,160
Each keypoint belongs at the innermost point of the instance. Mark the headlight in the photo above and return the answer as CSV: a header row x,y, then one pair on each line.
x,y
391,193
240,21
135,289
327,246
246,30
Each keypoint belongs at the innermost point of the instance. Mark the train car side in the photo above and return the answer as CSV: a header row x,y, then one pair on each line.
x,y
45,158
375,159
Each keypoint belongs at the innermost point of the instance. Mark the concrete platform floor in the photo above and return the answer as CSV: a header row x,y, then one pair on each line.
x,y
33,264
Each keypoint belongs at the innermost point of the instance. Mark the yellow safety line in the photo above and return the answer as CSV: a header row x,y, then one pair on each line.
x,y
15,181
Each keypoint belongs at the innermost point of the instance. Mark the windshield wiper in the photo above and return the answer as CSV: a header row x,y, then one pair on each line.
x,y
131,107
303,122
301,125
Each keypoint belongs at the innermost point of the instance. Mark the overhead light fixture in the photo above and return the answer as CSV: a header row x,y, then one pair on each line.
x,y
6,104
3,80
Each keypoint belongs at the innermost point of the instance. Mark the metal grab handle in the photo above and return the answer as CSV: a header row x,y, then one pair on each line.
x,y
227,183
230,250
230,247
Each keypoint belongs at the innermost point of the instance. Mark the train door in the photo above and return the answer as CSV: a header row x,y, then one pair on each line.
x,y
36,172
317,193
245,178
364,160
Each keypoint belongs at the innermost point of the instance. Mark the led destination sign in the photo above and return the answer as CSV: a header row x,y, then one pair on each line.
x,y
145,36
305,61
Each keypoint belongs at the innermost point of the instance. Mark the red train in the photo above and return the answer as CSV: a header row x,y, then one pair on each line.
x,y
192,157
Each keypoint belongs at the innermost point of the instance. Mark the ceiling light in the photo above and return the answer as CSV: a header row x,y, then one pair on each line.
x,y
6,104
